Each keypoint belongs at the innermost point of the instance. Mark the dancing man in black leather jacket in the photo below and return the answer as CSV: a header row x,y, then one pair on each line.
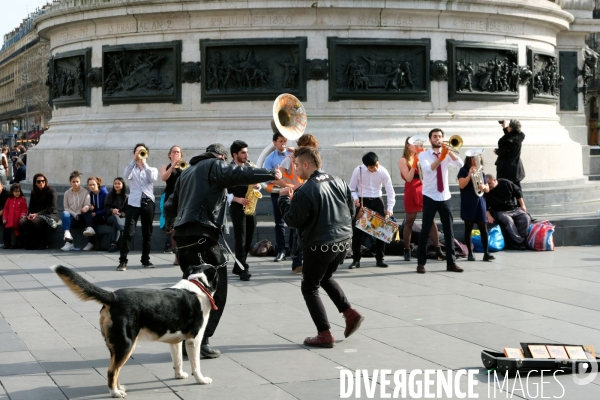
x,y
196,211
321,209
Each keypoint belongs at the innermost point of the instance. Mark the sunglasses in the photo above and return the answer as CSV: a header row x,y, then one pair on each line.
x,y
40,181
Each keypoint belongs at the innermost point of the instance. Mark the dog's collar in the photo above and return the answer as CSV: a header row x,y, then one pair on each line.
x,y
213,305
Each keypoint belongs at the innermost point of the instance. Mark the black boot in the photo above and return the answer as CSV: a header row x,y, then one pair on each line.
x,y
406,254
207,351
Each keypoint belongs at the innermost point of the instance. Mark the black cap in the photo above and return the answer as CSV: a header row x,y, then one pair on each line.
x,y
218,148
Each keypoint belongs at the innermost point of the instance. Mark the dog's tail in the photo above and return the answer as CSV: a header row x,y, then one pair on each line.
x,y
83,289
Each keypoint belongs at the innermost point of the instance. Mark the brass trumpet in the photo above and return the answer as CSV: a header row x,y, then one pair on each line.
x,y
143,154
454,143
182,165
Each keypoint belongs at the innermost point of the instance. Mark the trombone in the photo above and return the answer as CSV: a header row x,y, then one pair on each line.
x,y
454,143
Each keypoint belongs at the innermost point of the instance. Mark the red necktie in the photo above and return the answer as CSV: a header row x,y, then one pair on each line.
x,y
440,180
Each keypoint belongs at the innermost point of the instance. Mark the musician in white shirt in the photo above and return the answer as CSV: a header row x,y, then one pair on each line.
x,y
436,197
366,183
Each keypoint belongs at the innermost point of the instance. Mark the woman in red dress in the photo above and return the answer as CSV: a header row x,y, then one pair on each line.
x,y
413,197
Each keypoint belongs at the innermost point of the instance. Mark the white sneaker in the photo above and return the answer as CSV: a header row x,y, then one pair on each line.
x,y
88,247
89,231
67,247
68,236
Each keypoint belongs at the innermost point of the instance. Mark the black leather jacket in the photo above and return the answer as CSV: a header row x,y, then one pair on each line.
x,y
321,210
200,191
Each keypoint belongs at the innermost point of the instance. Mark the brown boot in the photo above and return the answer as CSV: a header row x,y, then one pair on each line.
x,y
420,269
323,339
353,320
454,268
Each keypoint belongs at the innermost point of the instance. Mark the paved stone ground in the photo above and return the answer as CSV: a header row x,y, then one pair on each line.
x,y
51,348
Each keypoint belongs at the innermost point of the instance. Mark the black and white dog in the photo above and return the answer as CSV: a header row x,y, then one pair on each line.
x,y
172,315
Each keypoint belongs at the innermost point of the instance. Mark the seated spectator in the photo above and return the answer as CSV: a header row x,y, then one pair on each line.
x,y
20,172
3,198
43,214
15,209
96,213
76,204
114,208
502,200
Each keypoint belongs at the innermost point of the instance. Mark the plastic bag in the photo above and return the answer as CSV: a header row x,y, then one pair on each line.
x,y
495,240
540,236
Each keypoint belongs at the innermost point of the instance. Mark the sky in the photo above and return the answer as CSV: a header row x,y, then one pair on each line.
x,y
13,12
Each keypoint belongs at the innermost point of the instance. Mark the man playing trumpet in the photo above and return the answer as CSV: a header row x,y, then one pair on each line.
x,y
436,197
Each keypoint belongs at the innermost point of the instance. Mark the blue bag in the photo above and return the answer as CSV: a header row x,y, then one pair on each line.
x,y
495,240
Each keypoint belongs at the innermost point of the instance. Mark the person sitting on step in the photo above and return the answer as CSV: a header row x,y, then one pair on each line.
x,y
76,204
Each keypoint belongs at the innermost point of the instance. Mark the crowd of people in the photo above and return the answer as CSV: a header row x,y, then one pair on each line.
x,y
321,211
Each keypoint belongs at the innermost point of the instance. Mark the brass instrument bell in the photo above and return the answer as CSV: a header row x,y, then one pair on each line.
x,y
182,165
143,154
454,143
289,116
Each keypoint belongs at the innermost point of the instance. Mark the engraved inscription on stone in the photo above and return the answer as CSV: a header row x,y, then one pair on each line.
x,y
483,25
241,70
155,25
137,73
232,21
121,27
378,69
67,78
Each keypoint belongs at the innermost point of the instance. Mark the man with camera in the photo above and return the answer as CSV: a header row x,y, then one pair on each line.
x,y
508,163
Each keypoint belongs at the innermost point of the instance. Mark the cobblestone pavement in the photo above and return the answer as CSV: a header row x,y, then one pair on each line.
x,y
51,348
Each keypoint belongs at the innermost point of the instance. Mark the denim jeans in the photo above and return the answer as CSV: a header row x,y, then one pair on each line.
x,y
68,221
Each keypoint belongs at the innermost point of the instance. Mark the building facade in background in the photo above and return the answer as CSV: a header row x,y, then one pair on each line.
x,y
23,73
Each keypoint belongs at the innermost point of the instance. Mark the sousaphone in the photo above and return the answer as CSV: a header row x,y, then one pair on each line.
x,y
289,119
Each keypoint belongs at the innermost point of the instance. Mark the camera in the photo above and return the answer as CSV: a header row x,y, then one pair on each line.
x,y
501,121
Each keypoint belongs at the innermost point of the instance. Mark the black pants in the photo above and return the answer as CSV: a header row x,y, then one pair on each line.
x,y
243,231
317,271
146,212
34,233
377,206
212,254
93,221
279,224
430,208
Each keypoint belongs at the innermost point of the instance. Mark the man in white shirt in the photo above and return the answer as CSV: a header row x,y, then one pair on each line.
x,y
140,204
436,197
366,183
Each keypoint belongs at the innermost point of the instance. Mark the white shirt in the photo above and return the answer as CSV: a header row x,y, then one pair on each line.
x,y
430,177
371,183
140,181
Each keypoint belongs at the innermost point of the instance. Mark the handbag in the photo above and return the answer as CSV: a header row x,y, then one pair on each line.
x,y
372,223
261,249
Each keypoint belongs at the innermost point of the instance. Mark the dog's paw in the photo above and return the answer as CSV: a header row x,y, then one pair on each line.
x,y
204,380
181,375
118,393
122,388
